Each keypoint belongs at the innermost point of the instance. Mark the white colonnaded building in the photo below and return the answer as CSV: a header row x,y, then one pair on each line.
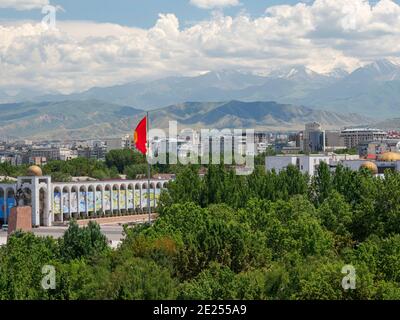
x,y
56,202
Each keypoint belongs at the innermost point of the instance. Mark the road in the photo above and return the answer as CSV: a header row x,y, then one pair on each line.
x,y
110,227
112,232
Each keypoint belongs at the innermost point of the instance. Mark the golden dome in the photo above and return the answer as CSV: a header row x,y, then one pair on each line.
x,y
370,166
390,156
35,171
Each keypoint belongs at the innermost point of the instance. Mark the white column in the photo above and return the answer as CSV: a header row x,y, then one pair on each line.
x,y
48,208
78,199
103,207
87,202
133,197
69,204
118,191
35,206
94,200
112,199
154,192
61,204
126,198
141,195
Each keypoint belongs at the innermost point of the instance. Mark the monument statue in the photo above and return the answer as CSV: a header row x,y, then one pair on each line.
x,y
20,197
21,215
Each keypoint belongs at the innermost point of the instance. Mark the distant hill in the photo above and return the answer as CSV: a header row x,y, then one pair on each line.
x,y
66,119
95,119
257,115
372,90
390,124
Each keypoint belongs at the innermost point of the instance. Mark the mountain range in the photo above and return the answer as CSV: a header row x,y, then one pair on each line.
x,y
92,119
372,90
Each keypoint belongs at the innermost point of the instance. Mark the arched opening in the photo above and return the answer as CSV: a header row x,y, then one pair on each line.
x,y
107,200
82,202
130,198
43,208
3,202
66,204
115,199
9,203
147,196
153,187
99,201
137,200
74,205
122,199
157,194
57,204
91,201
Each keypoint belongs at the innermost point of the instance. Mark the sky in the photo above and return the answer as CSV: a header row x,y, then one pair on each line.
x,y
103,43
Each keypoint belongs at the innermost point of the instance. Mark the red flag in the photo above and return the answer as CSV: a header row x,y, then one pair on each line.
x,y
140,136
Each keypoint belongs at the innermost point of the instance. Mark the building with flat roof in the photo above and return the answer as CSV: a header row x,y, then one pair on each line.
x,y
354,136
309,163
314,138
305,163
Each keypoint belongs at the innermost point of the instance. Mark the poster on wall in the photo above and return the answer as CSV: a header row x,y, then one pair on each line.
x,y
145,196
98,201
130,199
82,201
57,203
65,202
9,203
115,199
90,196
74,200
122,199
107,200
157,197
137,199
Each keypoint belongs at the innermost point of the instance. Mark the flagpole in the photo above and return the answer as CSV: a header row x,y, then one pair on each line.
x,y
148,166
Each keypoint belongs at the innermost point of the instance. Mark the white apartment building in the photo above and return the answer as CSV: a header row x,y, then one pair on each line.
x,y
306,164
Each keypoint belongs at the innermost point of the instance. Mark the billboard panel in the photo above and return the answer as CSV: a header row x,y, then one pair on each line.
x,y
137,199
130,199
57,203
90,197
122,199
98,201
65,202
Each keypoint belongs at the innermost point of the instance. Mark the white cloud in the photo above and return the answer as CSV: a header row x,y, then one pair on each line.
x,y
323,35
210,4
23,4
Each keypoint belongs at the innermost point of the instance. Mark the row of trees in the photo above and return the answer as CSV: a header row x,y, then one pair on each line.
x,y
265,236
126,161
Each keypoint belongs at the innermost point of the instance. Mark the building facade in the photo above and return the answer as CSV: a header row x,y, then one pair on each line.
x,y
306,164
314,138
54,202
354,137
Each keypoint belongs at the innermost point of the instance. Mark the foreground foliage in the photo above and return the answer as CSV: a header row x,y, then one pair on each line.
x,y
265,236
